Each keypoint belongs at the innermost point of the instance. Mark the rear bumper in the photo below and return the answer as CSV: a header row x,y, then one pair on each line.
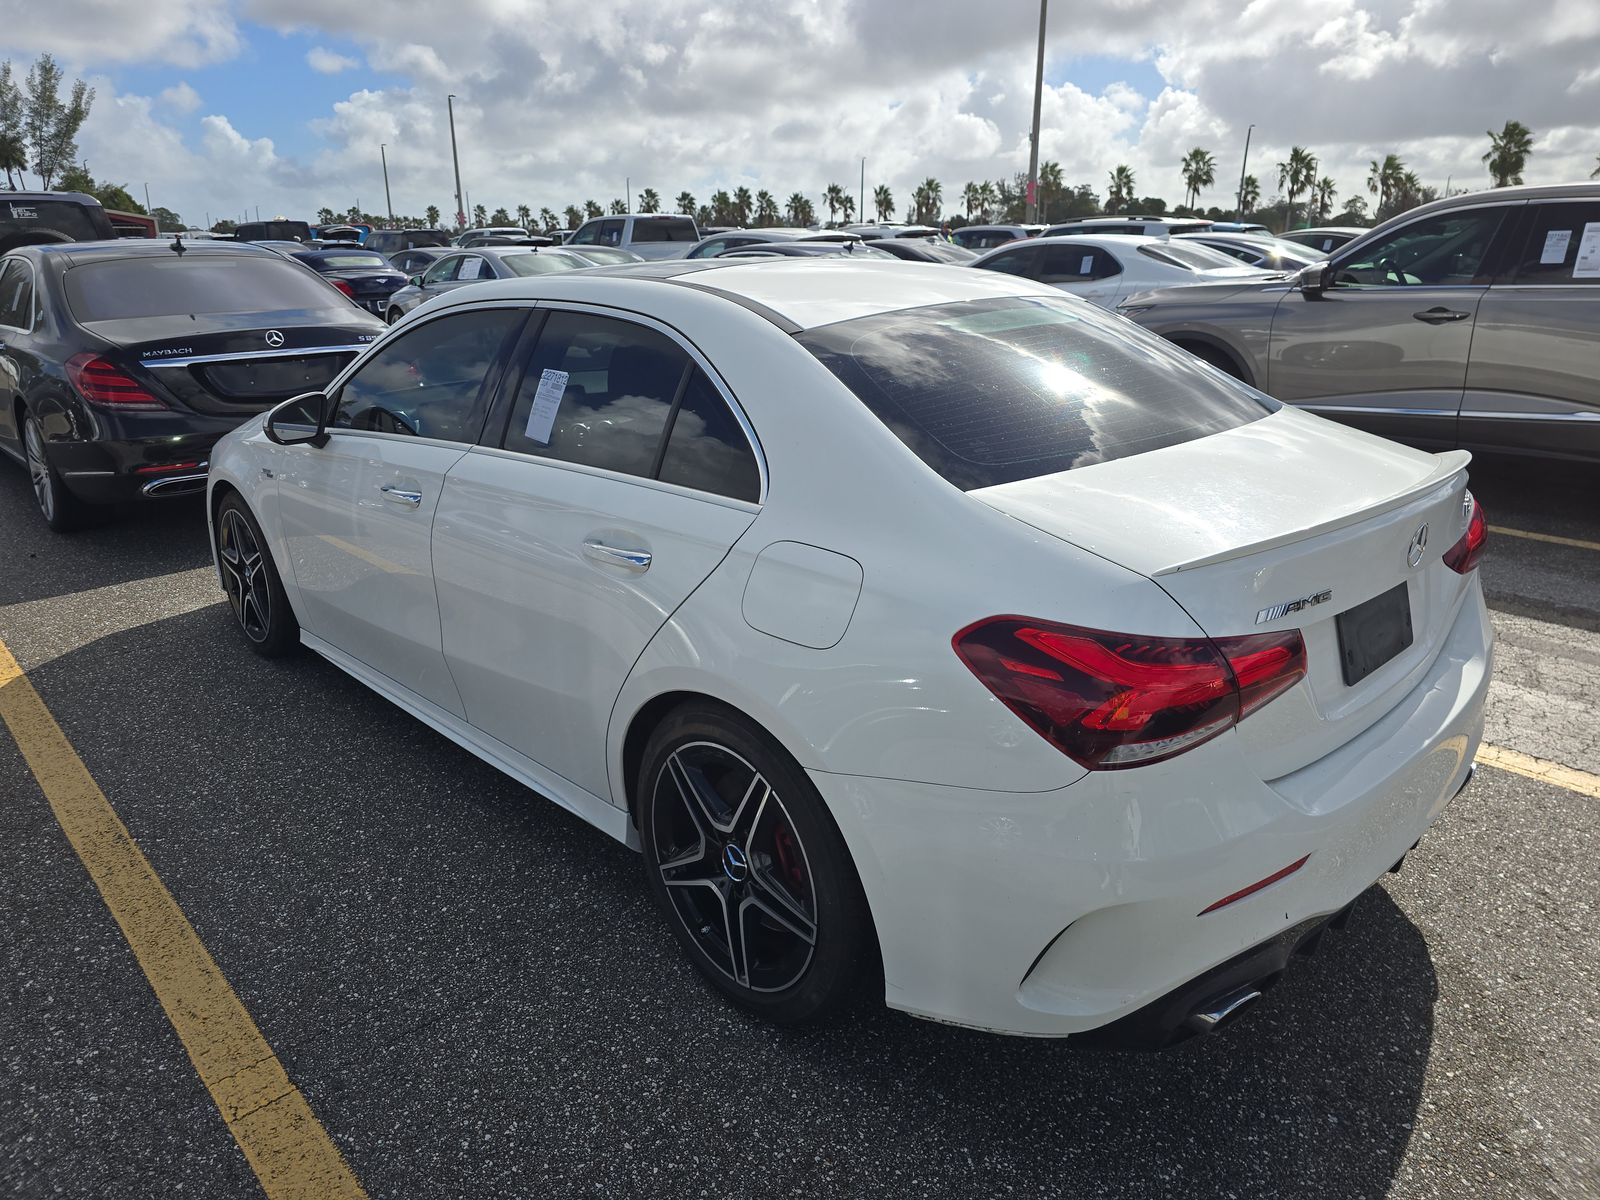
x,y
115,470
1056,913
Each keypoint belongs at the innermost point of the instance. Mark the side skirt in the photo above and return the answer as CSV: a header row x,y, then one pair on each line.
x,y
600,813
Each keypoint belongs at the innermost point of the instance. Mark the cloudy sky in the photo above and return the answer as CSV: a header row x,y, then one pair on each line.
x,y
225,105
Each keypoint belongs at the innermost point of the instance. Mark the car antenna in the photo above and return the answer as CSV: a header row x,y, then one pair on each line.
x,y
177,246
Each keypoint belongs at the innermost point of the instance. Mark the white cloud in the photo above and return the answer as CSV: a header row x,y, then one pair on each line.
x,y
326,62
188,33
180,97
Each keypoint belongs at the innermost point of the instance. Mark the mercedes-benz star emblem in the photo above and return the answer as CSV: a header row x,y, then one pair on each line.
x,y
1419,543
734,864
274,338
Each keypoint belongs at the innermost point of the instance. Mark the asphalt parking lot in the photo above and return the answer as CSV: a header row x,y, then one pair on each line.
x,y
474,994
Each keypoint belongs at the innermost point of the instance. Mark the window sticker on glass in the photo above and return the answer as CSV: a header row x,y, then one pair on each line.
x,y
1086,267
546,399
1587,265
1555,246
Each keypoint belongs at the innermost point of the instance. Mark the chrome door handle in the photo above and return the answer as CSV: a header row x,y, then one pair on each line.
x,y
401,495
1438,316
612,556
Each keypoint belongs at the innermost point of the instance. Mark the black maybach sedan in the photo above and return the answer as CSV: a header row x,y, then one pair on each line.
x,y
121,363
366,277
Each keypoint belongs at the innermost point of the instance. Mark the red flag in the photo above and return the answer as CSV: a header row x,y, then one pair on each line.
x,y
1032,190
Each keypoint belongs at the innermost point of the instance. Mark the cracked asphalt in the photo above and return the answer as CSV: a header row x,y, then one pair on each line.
x,y
475,994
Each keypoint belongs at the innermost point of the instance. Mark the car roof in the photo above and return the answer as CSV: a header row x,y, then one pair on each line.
x,y
1105,241
796,293
78,253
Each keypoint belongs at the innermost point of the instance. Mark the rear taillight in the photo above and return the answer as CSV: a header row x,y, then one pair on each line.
x,y
1464,555
1113,700
344,287
103,383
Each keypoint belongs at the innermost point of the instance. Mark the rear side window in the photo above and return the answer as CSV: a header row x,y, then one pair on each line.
x,y
987,392
1563,244
16,294
707,449
664,230
34,222
1017,262
195,284
1075,264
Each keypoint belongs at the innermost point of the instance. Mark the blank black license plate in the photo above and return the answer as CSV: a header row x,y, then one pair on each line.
x,y
1371,634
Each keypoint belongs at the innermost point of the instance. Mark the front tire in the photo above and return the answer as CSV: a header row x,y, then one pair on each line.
x,y
748,866
62,511
251,582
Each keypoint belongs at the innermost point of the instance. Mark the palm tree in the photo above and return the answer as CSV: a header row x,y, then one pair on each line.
x,y
1383,179
1295,175
1050,186
1199,172
1249,194
480,216
574,216
722,210
500,216
833,197
547,219
433,216
743,204
988,198
686,204
929,201
524,215
798,211
1508,153
1323,193
766,209
883,201
1119,195
969,198
847,206
619,207
649,201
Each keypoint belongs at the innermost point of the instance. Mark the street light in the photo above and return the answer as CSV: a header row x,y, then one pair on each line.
x,y
461,213
388,203
1239,202
1033,141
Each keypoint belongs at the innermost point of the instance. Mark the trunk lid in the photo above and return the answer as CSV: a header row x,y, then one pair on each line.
x,y
1242,526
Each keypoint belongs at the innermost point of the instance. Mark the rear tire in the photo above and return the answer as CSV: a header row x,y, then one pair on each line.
x,y
250,581
62,511
749,868
393,315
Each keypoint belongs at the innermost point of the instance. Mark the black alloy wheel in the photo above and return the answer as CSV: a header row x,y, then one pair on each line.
x,y
752,872
62,511
250,581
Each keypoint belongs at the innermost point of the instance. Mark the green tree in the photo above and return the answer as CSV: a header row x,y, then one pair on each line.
x,y
1296,174
524,216
1355,211
1199,173
833,197
500,216
703,216
988,197
224,226
433,216
847,208
1383,180
592,210
686,204
883,201
1249,194
927,201
744,205
1322,194
1119,192
574,216
51,127
480,216
649,201
798,211
767,213
1508,153
13,136
548,219
971,198
722,210
325,216
1049,188
619,207
166,219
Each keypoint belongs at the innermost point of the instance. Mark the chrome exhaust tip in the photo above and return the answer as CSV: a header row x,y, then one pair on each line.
x,y
175,485
1214,1014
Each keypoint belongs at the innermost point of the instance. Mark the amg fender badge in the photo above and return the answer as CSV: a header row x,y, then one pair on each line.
x,y
1291,606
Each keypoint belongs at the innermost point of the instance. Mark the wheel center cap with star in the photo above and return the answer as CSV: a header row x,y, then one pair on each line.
x,y
734,864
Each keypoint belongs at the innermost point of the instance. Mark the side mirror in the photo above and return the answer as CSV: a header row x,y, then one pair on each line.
x,y
299,422
1315,279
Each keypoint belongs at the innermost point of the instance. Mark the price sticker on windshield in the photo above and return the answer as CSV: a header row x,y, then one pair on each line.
x,y
546,400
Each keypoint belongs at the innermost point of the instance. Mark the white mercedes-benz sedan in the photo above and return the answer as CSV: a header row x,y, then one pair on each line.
x,y
900,616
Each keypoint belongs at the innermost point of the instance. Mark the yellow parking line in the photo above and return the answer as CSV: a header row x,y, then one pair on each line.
x,y
1545,537
287,1148
1518,763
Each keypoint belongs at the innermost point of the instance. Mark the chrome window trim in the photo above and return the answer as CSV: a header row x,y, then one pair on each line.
x,y
1486,414
660,485
1378,410
1545,287
700,360
305,352
33,306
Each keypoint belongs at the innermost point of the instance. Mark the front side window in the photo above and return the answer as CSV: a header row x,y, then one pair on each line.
x,y
16,294
987,392
709,249
588,235
1439,251
610,233
431,381
1563,244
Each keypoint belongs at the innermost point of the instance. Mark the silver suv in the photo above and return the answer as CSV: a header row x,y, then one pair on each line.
x,y
649,235
1473,321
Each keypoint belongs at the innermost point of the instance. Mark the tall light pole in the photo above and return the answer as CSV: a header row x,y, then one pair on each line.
x,y
1239,202
152,211
461,213
863,189
1033,141
627,191
388,203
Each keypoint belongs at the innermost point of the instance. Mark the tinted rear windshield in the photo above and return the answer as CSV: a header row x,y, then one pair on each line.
x,y
1191,257
196,285
30,222
664,231
273,231
991,391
